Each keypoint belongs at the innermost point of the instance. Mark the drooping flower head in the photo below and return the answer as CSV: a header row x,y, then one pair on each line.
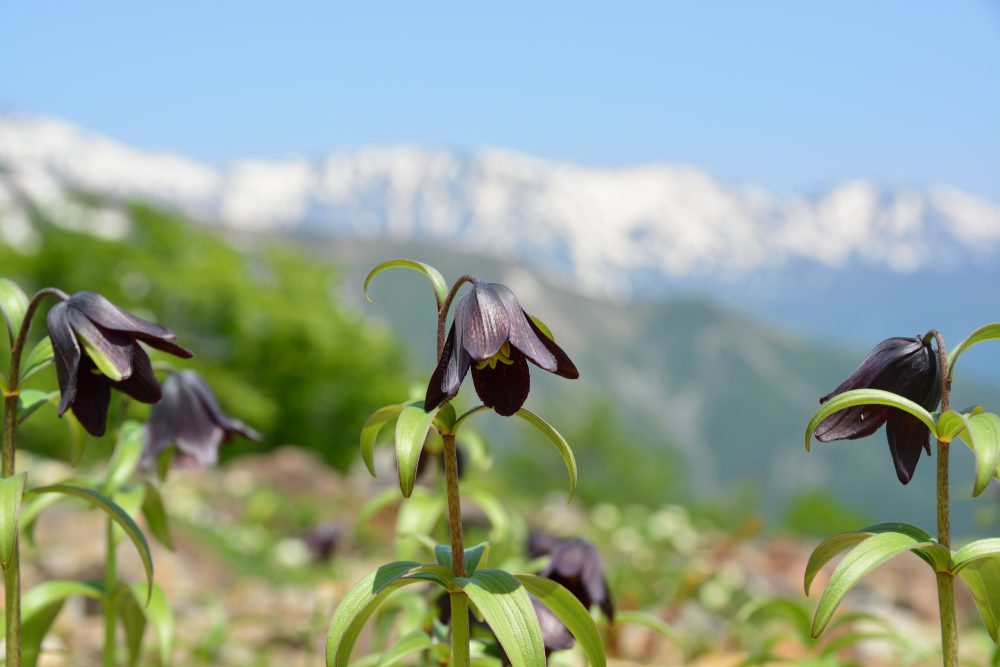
x,y
495,338
96,346
904,366
189,416
576,565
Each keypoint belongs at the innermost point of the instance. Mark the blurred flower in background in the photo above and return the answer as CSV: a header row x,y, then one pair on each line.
x,y
189,416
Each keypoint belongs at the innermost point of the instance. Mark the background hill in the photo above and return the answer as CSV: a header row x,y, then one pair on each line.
x,y
703,346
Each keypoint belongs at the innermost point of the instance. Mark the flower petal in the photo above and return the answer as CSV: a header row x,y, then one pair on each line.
x,y
195,434
522,335
564,367
67,353
93,395
110,350
908,438
852,423
555,635
142,384
483,321
160,428
451,370
110,316
197,386
871,373
504,387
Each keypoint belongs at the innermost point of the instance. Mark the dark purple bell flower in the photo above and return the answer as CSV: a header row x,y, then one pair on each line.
x,y
904,366
96,346
189,416
576,565
494,337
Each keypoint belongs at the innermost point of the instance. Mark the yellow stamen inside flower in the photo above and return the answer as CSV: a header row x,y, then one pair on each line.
x,y
502,355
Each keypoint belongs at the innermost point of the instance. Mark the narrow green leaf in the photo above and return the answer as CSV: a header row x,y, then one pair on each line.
x,y
11,490
507,609
982,334
950,425
982,435
29,400
556,438
445,418
970,553
156,516
861,560
916,532
115,512
433,275
571,612
829,549
77,439
37,359
409,644
13,306
163,462
982,577
129,498
134,624
126,456
411,432
849,399
370,430
652,622
358,606
160,616
474,556
39,608
436,574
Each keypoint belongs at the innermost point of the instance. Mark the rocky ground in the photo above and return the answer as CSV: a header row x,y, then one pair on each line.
x,y
266,547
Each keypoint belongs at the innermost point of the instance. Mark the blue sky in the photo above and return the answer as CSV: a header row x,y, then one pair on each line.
x,y
793,96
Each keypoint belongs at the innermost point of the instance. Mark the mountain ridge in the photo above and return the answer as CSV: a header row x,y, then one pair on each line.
x,y
610,230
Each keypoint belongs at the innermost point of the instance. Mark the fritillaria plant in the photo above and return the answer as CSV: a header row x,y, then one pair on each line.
x,y
494,338
95,347
906,384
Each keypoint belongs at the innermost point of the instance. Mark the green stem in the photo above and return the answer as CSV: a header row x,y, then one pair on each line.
x,y
12,575
12,609
110,597
459,602
459,629
945,580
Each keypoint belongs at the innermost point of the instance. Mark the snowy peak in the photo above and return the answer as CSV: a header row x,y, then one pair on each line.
x,y
604,226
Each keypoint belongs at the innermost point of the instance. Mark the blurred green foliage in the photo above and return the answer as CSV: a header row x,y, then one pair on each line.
x,y
817,513
261,316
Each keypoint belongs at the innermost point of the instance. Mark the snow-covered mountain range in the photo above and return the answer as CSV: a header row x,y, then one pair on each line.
x,y
606,227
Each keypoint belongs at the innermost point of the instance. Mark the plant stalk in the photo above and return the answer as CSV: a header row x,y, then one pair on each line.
x,y
12,575
459,602
459,629
945,580
110,597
